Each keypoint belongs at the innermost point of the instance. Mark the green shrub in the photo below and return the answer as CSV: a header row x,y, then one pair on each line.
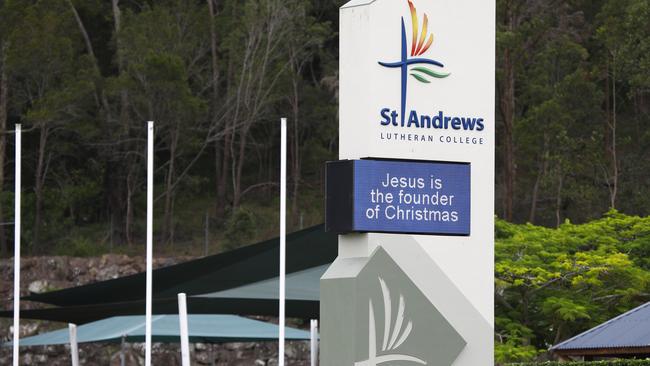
x,y
79,247
593,363
240,228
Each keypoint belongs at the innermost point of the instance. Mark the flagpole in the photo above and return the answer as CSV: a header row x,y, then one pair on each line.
x,y
150,137
283,234
17,188
184,331
74,345
313,336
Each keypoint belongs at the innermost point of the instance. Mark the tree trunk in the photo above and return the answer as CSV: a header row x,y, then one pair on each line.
x,y
608,115
213,52
508,140
113,178
217,172
131,183
540,174
115,191
558,334
220,183
507,104
124,183
239,168
41,172
558,201
222,176
4,93
100,97
168,221
223,172
295,156
614,190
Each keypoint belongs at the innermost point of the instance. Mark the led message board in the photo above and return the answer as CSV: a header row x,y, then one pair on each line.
x,y
398,197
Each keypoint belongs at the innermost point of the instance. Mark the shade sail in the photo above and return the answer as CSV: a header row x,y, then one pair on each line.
x,y
165,328
82,314
255,292
302,285
306,249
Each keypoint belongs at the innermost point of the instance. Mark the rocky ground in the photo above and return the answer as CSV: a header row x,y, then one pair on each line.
x,y
41,274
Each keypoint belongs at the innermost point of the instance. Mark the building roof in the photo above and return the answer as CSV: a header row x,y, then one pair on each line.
x,y
627,331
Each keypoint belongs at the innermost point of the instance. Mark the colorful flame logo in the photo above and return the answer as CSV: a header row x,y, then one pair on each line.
x,y
419,47
413,65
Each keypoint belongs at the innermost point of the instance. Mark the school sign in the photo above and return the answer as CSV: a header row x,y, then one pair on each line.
x,y
412,196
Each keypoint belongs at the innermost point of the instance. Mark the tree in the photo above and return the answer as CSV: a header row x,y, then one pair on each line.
x,y
304,41
48,83
162,63
255,51
554,283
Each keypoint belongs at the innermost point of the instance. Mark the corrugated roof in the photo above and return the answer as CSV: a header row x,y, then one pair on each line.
x,y
628,330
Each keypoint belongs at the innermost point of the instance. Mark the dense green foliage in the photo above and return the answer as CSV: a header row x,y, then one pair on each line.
x,y
83,76
573,107
551,284
595,363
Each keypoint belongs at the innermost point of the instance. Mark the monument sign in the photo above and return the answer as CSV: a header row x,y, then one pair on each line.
x,y
413,194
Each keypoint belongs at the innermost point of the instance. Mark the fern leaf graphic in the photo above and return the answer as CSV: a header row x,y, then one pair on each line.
x,y
387,312
397,336
398,324
405,334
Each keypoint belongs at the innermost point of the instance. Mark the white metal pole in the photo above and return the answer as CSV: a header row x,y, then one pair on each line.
x,y
313,327
74,347
17,187
185,338
150,136
122,351
283,233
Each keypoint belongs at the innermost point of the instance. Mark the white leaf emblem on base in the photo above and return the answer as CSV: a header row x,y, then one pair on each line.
x,y
392,339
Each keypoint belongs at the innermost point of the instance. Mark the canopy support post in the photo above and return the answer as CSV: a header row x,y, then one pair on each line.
x,y
185,339
283,234
74,346
313,332
150,137
17,188
123,351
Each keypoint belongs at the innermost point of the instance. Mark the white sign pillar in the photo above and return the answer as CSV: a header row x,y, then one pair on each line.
x,y
416,84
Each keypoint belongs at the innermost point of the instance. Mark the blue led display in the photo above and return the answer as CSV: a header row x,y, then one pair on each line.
x,y
411,197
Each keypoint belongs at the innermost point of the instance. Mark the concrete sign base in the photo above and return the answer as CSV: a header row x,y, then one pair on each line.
x,y
375,311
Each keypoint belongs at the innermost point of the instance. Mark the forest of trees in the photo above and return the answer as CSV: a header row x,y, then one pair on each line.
x,y
573,138
84,76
